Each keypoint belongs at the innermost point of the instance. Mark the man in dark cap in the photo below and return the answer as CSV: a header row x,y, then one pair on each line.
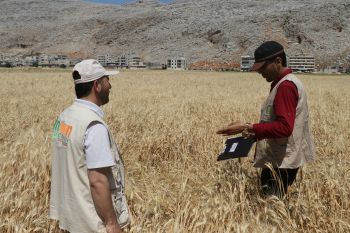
x,y
284,140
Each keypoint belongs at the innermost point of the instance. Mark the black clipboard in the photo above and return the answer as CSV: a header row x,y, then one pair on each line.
x,y
236,148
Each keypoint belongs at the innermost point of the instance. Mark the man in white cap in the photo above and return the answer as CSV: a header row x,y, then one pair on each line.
x,y
87,185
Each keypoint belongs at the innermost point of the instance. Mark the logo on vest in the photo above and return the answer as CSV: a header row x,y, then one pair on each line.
x,y
267,114
61,132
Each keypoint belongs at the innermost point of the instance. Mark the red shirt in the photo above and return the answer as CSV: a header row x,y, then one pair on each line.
x,y
284,104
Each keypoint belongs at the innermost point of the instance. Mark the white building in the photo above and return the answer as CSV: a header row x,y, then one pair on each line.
x,y
177,63
110,60
246,62
335,69
53,60
303,63
44,60
31,60
135,62
60,60
61,57
122,61
102,59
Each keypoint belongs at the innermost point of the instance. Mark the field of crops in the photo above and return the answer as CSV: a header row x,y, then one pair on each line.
x,y
165,125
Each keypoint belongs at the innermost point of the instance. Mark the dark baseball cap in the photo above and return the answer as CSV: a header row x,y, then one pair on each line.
x,y
265,52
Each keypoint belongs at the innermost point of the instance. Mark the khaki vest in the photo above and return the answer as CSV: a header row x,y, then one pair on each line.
x,y
295,150
70,199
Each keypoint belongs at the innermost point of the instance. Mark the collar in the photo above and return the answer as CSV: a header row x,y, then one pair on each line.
x,y
91,106
284,73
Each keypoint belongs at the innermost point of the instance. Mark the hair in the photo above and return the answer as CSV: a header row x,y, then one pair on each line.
x,y
282,56
82,89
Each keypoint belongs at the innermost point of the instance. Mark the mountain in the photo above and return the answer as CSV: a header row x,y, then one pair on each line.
x,y
195,29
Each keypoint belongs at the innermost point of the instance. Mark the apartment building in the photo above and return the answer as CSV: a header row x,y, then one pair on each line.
x,y
303,63
177,64
122,61
246,62
135,62
106,60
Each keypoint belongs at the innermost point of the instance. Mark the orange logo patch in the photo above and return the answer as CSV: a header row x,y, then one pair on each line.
x,y
65,129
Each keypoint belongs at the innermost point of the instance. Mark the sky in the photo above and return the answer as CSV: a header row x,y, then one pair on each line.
x,y
122,1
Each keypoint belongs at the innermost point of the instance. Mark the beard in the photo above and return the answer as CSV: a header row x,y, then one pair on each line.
x,y
104,97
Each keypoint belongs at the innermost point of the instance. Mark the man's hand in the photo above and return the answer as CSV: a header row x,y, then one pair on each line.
x,y
101,195
235,128
113,228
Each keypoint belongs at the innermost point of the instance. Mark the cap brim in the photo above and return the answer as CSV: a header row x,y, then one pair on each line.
x,y
256,66
112,72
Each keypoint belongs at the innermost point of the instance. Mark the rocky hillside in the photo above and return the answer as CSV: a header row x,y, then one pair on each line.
x,y
196,29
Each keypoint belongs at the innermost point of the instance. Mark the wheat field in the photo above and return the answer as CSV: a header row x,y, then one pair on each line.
x,y
165,124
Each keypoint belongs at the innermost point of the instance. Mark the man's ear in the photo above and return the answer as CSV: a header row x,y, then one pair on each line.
x,y
97,86
278,60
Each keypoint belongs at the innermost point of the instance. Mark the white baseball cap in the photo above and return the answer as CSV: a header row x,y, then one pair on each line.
x,y
90,70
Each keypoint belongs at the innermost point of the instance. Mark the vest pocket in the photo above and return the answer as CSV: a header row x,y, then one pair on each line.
x,y
279,148
121,208
279,141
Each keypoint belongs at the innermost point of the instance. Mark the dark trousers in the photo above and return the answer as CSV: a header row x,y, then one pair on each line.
x,y
276,181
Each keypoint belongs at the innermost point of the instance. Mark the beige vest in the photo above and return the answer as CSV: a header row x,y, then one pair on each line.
x,y
292,151
70,199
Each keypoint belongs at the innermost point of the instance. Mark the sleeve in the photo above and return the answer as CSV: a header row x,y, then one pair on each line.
x,y
285,104
97,147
